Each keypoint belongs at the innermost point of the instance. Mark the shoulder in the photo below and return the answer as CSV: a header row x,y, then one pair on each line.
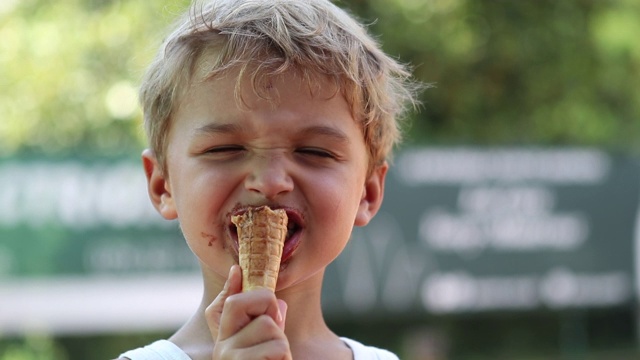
x,y
161,349
364,352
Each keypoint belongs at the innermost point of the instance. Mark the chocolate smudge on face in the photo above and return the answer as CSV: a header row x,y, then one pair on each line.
x,y
211,238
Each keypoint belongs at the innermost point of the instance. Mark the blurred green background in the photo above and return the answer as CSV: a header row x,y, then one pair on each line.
x,y
506,72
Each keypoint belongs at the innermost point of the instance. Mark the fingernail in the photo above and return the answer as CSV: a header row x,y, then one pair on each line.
x,y
282,310
226,283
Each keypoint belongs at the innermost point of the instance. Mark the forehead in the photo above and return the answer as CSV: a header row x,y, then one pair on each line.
x,y
292,115
249,87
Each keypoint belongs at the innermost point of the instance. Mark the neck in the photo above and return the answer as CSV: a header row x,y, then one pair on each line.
x,y
305,327
308,334
304,319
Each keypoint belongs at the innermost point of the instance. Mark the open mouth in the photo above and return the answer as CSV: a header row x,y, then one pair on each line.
x,y
292,238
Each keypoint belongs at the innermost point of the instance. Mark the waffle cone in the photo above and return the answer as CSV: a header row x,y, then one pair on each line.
x,y
261,235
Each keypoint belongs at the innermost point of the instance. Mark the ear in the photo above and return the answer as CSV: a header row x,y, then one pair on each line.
x,y
372,195
158,186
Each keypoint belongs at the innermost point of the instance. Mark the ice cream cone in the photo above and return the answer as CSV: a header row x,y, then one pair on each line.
x,y
261,235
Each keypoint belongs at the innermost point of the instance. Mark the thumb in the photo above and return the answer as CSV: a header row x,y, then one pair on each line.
x,y
232,286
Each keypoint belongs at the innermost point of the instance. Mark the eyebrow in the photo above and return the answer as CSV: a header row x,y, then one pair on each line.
x,y
319,130
327,131
214,128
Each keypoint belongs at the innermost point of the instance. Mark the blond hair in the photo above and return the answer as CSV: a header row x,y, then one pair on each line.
x,y
265,38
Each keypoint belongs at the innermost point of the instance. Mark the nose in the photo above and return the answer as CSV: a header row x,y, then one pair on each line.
x,y
269,176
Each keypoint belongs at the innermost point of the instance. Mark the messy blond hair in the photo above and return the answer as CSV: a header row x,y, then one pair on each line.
x,y
266,38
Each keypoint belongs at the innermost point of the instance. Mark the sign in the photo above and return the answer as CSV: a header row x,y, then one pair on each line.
x,y
483,229
80,218
461,230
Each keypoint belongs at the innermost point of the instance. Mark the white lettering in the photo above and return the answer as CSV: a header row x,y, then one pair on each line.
x,y
511,218
457,292
75,195
469,165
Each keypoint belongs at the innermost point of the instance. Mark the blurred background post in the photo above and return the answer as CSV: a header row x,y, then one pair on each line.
x,y
510,223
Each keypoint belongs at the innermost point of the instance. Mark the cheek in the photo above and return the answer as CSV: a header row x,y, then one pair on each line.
x,y
201,217
201,203
339,199
201,190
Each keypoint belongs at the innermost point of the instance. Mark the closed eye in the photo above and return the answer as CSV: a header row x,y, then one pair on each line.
x,y
225,149
224,152
318,152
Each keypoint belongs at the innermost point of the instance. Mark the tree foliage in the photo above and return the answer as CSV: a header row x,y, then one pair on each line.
x,y
69,71
505,72
520,72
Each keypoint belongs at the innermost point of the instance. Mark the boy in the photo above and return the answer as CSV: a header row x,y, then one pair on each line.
x,y
285,103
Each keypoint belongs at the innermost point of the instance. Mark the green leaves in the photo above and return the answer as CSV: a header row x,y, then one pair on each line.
x,y
69,72
519,72
506,72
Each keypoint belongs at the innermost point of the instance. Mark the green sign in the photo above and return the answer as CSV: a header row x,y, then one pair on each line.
x,y
461,230
77,218
476,229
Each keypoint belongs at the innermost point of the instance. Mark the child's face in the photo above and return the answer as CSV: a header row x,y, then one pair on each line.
x,y
304,153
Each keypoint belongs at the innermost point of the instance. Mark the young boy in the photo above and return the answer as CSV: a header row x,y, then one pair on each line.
x,y
285,103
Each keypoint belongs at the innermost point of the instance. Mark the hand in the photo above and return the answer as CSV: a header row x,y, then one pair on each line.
x,y
247,325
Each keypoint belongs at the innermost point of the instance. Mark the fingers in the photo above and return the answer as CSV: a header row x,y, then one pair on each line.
x,y
242,309
232,286
260,339
259,331
247,325
271,350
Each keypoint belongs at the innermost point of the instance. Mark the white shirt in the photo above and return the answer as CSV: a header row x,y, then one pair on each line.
x,y
166,350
